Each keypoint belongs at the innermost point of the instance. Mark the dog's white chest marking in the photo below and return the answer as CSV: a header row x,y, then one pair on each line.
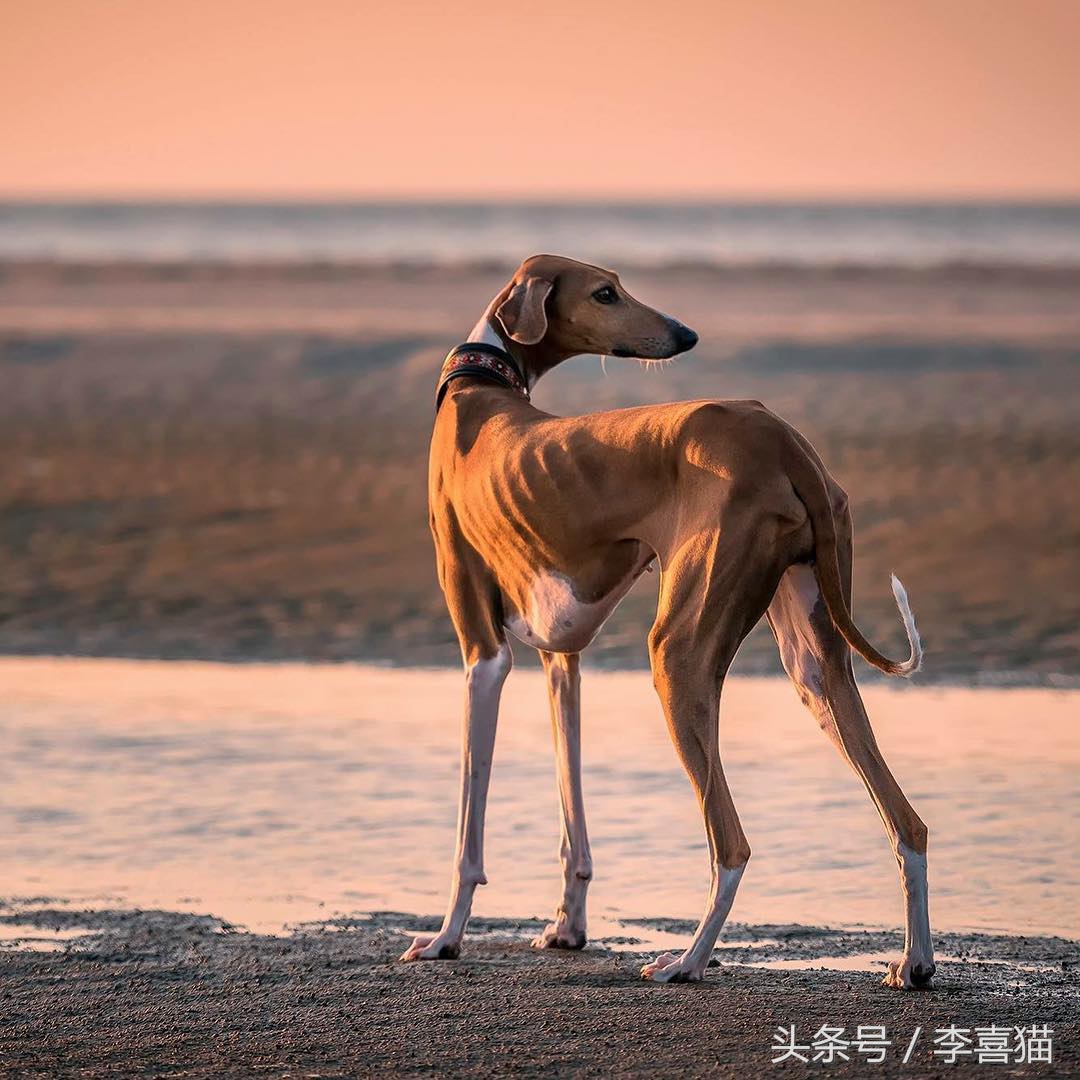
x,y
555,619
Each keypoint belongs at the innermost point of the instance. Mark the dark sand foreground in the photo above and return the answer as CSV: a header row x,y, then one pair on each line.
x,y
157,993
229,462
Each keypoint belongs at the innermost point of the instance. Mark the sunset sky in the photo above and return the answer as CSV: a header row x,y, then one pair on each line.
x,y
352,98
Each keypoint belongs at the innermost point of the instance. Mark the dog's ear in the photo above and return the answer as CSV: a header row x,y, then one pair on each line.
x,y
522,313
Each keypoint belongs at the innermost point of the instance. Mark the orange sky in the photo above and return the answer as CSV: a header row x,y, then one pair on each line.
x,y
746,98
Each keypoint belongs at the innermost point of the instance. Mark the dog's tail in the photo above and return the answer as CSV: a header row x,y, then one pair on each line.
x,y
810,487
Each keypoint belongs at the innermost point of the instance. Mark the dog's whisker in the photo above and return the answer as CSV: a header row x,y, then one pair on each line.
x,y
655,364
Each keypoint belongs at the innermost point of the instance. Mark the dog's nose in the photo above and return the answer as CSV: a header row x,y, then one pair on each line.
x,y
685,338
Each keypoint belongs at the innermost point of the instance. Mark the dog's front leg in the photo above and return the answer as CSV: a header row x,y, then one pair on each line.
x,y
483,687
568,931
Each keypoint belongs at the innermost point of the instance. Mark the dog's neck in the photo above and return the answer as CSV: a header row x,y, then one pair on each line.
x,y
532,360
484,332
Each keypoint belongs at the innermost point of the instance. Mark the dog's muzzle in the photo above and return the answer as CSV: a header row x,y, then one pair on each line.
x,y
679,338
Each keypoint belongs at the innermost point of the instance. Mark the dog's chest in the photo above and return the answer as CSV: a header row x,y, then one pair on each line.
x,y
550,614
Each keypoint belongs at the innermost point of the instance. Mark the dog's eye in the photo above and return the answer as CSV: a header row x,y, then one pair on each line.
x,y
605,295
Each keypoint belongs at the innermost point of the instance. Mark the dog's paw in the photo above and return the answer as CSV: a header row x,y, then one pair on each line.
x,y
910,974
432,947
669,968
560,935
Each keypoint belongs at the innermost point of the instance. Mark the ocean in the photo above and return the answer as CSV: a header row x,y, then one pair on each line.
x,y
626,234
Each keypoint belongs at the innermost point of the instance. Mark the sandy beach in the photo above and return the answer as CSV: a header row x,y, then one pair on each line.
x,y
228,461
155,994
225,462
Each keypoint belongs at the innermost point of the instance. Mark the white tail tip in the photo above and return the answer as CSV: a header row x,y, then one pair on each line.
x,y
914,661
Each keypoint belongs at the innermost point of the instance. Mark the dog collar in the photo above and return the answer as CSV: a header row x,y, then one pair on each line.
x,y
486,361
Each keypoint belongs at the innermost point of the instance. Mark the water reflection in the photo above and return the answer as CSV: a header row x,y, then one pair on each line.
x,y
273,794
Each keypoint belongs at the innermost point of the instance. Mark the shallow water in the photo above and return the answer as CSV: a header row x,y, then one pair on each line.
x,y
27,937
273,794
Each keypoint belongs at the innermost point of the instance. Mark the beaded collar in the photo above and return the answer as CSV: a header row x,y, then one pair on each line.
x,y
477,358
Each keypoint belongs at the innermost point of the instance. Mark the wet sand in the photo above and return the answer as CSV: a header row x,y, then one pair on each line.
x,y
156,993
210,461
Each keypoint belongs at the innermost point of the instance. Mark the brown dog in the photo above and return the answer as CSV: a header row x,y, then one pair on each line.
x,y
542,524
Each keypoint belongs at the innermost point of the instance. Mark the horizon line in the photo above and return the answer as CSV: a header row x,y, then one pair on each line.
x,y
228,198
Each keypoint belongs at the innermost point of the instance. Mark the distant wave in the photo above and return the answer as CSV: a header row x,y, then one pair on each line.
x,y
694,235
303,268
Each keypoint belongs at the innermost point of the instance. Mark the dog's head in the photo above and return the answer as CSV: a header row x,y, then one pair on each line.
x,y
568,307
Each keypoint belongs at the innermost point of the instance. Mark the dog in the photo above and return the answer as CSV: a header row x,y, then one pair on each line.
x,y
542,524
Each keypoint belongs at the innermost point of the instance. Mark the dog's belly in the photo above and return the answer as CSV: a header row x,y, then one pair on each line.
x,y
553,618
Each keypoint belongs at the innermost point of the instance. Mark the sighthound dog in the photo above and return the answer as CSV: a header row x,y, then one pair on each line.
x,y
543,523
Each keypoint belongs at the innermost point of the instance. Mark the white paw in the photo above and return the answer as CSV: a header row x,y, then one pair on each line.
x,y
911,973
668,967
432,947
560,935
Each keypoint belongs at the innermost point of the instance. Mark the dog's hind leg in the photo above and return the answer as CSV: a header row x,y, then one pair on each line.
x,y
818,661
568,931
710,598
